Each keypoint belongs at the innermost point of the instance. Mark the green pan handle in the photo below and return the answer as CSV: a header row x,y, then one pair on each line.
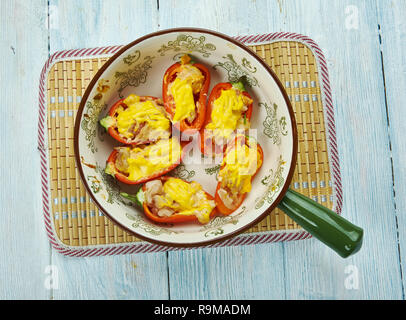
x,y
324,224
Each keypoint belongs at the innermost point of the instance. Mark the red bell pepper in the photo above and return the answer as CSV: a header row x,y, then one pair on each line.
x,y
120,176
139,199
112,127
222,208
200,98
207,144
174,218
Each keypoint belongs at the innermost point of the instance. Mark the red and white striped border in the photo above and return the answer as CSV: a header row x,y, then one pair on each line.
x,y
143,247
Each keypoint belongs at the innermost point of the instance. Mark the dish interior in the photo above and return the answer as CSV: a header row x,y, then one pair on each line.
x,y
139,70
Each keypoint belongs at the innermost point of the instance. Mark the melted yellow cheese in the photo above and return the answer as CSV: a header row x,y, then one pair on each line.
x,y
192,75
189,81
182,93
226,113
138,113
187,199
144,162
240,164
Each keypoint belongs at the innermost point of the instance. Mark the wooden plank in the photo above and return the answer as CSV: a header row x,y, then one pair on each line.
x,y
393,31
229,17
87,24
122,277
84,24
243,272
312,271
24,244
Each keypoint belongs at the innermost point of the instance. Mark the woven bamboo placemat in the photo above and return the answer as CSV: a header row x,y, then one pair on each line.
x,y
77,227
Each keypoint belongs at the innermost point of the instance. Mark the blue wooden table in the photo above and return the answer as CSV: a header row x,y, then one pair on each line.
x,y
365,44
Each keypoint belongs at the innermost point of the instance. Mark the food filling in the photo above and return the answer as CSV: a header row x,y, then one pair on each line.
x,y
143,161
239,165
141,121
175,196
187,84
228,115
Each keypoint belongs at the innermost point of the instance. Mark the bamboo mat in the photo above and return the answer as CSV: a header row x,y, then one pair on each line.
x,y
78,222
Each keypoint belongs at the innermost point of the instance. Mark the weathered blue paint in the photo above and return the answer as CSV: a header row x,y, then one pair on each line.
x,y
370,127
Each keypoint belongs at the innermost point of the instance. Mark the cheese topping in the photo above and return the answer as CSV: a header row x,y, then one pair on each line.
x,y
226,115
143,161
189,81
188,199
184,101
180,197
139,114
238,166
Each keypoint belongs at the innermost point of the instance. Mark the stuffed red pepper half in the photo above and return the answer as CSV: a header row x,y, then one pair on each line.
x,y
229,110
241,162
137,120
173,200
138,164
184,91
